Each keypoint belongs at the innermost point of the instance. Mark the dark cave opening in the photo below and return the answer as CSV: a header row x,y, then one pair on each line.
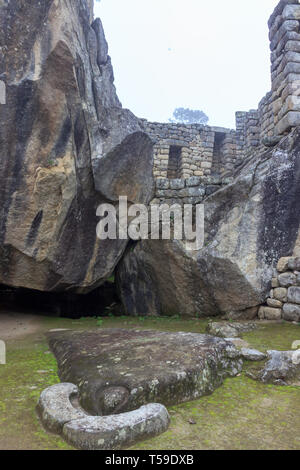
x,y
102,301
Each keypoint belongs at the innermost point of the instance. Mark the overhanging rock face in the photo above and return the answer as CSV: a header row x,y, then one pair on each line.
x,y
249,225
64,147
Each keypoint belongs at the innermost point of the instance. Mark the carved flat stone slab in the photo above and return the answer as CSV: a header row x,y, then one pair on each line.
x,y
120,370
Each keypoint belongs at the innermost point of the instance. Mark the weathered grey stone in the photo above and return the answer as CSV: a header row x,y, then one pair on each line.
x,y
184,366
253,355
294,295
118,431
274,303
271,141
283,264
294,264
211,189
269,313
193,181
66,147
282,368
238,342
177,184
287,279
249,225
291,312
248,314
291,119
55,406
275,283
162,183
280,294
61,413
233,329
193,192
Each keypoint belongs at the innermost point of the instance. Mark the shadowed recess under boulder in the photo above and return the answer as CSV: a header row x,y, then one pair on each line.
x,y
120,370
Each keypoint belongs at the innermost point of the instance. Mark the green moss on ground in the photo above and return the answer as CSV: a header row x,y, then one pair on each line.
x,y
242,414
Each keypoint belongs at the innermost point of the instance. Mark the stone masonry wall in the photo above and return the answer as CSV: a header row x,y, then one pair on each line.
x,y
279,111
204,150
185,151
187,191
284,300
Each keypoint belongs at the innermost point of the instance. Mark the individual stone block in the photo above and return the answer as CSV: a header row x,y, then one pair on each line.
x,y
280,294
294,264
291,12
253,355
193,181
287,279
162,183
196,192
294,295
283,264
281,369
229,330
291,119
274,303
291,312
275,282
161,193
268,313
206,165
177,184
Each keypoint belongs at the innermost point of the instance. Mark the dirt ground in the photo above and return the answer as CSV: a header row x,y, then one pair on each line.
x,y
16,325
242,414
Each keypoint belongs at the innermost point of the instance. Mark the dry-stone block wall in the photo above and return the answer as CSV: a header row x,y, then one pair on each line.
x,y
183,151
279,111
192,190
284,300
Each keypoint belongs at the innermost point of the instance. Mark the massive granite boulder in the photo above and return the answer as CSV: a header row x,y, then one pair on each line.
x,y
249,226
66,146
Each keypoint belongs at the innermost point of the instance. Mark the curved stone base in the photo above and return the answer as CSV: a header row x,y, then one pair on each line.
x,y
59,412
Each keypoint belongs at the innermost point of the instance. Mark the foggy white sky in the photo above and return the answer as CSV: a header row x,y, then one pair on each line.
x,y
201,54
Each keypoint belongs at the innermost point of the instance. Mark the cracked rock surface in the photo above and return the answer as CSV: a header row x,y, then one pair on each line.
x,y
67,145
282,368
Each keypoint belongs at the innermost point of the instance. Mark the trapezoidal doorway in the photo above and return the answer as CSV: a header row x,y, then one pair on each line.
x,y
174,165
